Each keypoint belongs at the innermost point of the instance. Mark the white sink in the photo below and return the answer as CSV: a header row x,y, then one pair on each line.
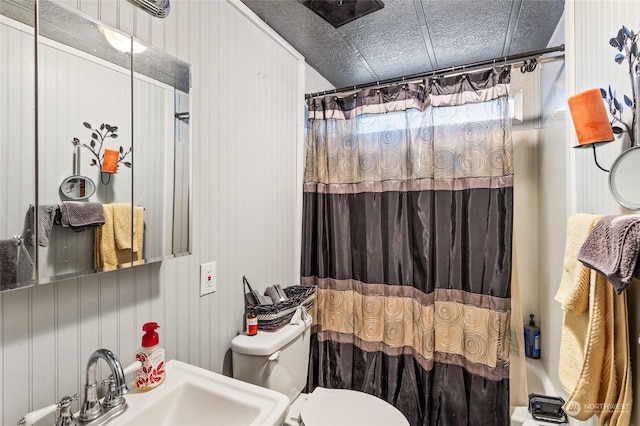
x,y
191,395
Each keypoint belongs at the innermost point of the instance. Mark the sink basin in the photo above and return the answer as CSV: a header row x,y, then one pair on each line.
x,y
194,396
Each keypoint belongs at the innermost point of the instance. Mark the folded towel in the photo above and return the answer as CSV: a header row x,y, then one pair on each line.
x,y
138,235
108,255
612,248
105,253
46,215
594,364
275,294
122,223
79,215
8,263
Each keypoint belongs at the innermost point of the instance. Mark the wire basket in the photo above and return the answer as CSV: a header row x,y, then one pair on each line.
x,y
274,316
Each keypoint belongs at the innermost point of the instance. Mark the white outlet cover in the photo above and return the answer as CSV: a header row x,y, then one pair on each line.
x,y
208,278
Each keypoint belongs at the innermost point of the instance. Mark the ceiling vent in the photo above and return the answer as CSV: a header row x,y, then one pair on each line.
x,y
157,8
340,12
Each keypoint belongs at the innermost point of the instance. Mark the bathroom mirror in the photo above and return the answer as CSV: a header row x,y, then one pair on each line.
x,y
112,156
17,143
624,179
77,188
115,96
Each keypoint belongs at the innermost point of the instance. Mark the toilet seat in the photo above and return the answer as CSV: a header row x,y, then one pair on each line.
x,y
341,407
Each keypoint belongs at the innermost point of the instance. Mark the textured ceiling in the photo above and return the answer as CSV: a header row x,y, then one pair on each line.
x,y
412,36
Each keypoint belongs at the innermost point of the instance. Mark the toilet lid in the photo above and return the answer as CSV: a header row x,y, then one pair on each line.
x,y
340,407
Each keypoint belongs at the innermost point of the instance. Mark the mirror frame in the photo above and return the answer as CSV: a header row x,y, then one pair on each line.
x,y
616,180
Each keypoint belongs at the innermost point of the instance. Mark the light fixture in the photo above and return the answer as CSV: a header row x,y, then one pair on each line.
x,y
122,42
590,121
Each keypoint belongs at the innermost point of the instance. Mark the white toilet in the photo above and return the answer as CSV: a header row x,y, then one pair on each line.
x,y
278,360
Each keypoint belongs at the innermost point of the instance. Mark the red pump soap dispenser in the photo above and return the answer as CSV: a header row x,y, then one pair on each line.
x,y
151,355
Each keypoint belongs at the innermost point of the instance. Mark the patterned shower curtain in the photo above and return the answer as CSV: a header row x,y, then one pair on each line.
x,y
407,225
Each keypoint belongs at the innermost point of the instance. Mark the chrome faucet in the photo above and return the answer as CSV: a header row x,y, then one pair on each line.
x,y
92,411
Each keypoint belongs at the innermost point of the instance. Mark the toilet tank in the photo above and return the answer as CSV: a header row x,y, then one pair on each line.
x,y
276,360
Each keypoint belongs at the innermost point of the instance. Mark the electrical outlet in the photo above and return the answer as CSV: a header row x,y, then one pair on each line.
x,y
208,281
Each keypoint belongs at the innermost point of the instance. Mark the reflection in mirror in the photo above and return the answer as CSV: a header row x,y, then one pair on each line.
x,y
17,144
114,97
624,179
96,101
77,187
182,178
97,105
81,99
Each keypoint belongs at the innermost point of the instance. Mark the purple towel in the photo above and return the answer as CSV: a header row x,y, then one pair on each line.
x,y
8,263
612,249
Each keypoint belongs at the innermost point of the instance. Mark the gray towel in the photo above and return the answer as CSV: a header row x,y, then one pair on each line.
x,y
79,215
276,293
46,216
8,263
612,249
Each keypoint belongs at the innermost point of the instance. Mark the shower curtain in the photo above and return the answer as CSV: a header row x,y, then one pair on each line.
x,y
407,226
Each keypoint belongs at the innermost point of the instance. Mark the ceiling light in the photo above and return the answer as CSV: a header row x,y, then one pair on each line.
x,y
121,42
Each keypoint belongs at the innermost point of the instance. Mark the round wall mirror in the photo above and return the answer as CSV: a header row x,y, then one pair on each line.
x,y
77,188
624,179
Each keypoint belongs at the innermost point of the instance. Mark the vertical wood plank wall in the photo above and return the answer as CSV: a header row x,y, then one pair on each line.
x,y
246,118
17,133
590,25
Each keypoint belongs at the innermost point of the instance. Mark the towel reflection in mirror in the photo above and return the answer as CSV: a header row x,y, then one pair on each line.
x,y
114,247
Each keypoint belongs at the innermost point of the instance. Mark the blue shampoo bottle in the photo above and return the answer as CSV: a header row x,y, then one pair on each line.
x,y
532,339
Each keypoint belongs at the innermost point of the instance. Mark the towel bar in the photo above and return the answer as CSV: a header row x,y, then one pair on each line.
x,y
20,242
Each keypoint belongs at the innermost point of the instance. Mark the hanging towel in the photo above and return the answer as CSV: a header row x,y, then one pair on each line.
x,y
105,253
8,263
276,293
594,363
122,226
108,253
612,248
138,235
80,216
46,216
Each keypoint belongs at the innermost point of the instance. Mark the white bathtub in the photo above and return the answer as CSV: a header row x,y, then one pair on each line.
x,y
537,382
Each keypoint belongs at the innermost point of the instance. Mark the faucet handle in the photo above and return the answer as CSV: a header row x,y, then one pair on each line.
x,y
113,398
34,416
64,406
65,417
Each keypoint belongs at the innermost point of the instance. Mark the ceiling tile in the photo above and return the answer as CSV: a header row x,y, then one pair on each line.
x,y
412,36
538,20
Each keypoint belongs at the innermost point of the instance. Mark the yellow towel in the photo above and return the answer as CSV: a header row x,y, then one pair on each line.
x,y
122,225
105,254
594,350
138,235
109,253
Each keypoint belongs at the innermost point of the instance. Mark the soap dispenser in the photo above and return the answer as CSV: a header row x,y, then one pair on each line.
x,y
532,339
151,355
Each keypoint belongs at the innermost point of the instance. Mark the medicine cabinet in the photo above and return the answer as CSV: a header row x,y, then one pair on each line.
x,y
94,145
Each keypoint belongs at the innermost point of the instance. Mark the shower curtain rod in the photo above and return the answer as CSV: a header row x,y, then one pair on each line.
x,y
506,60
